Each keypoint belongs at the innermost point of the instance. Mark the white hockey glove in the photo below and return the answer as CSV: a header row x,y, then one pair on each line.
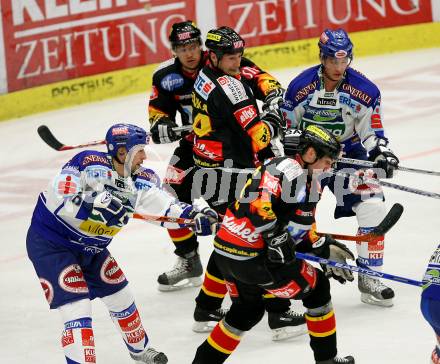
x,y
162,131
384,157
280,246
205,221
110,209
329,248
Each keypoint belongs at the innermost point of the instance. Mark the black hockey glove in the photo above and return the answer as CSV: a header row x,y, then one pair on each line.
x,y
280,246
205,221
162,131
110,209
276,122
329,248
384,157
273,99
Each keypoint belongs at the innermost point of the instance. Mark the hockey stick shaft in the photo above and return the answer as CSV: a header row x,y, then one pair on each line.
x,y
176,220
359,270
46,134
375,182
370,164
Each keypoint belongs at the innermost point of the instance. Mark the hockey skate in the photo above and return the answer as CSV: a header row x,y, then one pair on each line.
x,y
150,356
187,272
205,320
285,325
336,360
374,292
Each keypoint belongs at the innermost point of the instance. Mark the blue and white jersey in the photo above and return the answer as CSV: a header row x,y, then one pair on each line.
x,y
352,112
431,279
64,213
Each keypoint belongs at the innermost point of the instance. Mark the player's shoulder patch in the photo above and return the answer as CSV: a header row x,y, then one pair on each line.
x,y
290,168
93,157
360,88
302,85
148,175
169,63
233,88
203,85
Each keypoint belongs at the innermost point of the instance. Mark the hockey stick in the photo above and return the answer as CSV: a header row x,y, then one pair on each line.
x,y
45,133
359,270
177,220
371,181
384,226
369,164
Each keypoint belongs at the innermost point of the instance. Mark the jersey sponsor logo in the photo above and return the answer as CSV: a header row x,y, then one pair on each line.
x,y
290,168
97,228
95,158
71,279
172,81
249,72
203,86
290,290
209,149
245,115
223,80
67,185
94,172
87,337
89,355
130,323
174,175
305,91
357,93
240,228
326,102
67,338
270,183
110,272
234,89
378,255
376,121
135,336
48,289
154,93
232,289
300,212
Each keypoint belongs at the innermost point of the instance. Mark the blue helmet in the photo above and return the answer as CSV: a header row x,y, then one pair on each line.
x,y
125,135
335,43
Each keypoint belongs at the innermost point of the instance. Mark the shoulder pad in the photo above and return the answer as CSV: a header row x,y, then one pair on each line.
x,y
165,64
233,88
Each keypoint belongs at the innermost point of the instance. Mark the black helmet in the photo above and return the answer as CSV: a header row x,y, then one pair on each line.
x,y
323,141
224,40
183,33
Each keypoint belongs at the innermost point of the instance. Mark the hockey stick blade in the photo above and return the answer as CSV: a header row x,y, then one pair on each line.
x,y
47,136
389,220
384,226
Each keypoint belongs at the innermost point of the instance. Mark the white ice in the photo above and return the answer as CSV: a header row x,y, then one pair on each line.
x,y
30,333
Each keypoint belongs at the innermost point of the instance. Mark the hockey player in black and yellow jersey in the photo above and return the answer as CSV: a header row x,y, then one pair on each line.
x,y
255,250
232,135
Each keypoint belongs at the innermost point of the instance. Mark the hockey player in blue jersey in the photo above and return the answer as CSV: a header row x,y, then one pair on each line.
x,y
342,100
430,304
74,221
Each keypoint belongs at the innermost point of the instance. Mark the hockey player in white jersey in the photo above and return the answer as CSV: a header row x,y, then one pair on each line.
x,y
74,221
342,100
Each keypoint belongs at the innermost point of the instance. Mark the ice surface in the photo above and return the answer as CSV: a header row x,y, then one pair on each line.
x,y
410,84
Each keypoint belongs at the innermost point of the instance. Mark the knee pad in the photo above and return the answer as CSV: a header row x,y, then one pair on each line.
x,y
120,300
243,317
371,212
320,295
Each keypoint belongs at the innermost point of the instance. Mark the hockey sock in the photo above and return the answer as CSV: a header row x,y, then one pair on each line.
x,y
321,324
125,316
213,289
219,345
369,214
184,240
77,340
